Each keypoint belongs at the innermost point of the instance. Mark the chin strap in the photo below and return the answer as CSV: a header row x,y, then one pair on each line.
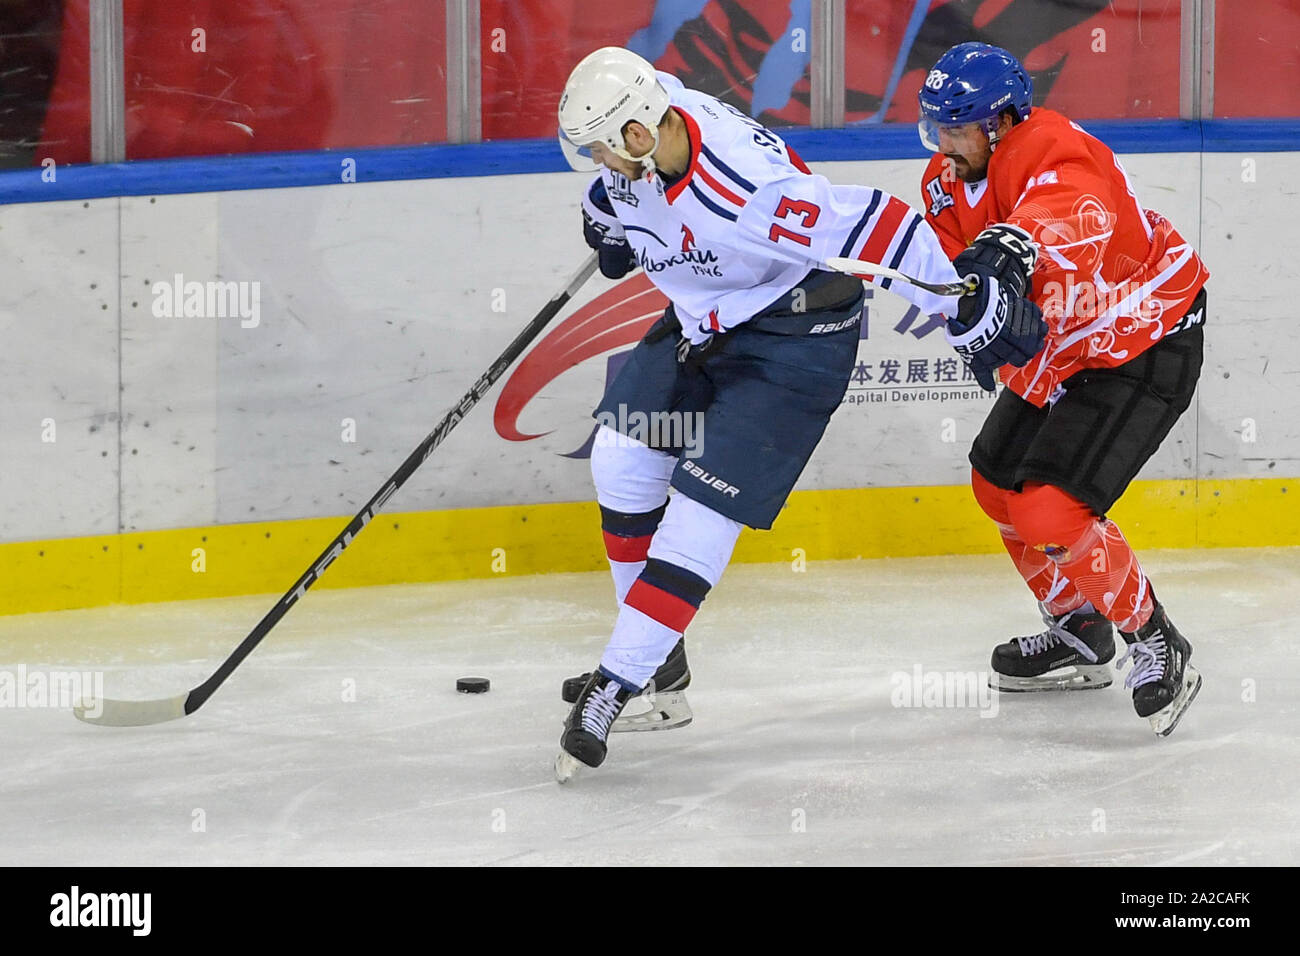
x,y
648,160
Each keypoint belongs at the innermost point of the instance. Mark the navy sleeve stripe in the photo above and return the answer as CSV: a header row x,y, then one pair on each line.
x,y
734,176
901,250
902,246
862,224
709,205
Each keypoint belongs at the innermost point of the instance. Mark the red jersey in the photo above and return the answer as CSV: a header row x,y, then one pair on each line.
x,y
1112,278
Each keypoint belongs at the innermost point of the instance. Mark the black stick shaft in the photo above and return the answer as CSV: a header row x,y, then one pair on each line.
x,y
198,695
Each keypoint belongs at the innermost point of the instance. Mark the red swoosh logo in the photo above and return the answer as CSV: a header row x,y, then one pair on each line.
x,y
612,320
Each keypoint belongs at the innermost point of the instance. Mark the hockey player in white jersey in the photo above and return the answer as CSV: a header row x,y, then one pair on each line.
x,y
757,344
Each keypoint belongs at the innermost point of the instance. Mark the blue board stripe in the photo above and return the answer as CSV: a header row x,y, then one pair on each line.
x,y
324,168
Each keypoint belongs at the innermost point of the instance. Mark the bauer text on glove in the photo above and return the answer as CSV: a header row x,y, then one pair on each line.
x,y
994,328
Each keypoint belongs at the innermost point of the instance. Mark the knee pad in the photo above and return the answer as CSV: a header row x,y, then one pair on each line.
x,y
1047,518
630,477
696,538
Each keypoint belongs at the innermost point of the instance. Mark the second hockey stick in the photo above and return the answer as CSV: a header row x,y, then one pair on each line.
x,y
135,713
857,267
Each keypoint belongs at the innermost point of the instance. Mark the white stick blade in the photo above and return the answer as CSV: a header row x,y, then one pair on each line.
x,y
130,713
857,267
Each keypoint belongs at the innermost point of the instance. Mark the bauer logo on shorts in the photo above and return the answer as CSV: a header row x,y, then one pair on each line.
x,y
826,328
713,481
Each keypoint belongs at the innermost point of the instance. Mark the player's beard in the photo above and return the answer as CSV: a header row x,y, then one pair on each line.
x,y
963,169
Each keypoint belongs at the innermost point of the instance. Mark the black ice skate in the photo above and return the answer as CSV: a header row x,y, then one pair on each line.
x,y
1164,683
588,726
1072,654
664,698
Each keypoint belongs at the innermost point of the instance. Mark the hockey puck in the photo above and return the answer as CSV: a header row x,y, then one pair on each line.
x,y
473,685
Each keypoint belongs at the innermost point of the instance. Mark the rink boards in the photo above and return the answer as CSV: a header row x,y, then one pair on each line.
x,y
224,378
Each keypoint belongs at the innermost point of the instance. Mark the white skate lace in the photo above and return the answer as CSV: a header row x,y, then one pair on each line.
x,y
599,711
1148,661
1056,633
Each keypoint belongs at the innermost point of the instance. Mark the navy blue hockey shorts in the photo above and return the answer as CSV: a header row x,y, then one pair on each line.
x,y
760,400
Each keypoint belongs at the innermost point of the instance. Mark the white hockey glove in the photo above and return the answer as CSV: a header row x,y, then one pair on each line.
x,y
604,233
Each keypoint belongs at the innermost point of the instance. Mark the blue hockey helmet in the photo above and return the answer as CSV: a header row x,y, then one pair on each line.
x,y
972,83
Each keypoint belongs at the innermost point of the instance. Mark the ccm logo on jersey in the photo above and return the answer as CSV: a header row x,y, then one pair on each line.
x,y
695,471
1190,320
939,200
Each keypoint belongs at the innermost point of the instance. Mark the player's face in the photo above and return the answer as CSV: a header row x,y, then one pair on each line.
x,y
611,160
967,147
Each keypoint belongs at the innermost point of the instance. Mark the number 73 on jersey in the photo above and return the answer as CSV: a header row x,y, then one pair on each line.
x,y
807,213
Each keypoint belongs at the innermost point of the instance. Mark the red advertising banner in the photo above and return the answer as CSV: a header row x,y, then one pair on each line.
x,y
216,77
213,76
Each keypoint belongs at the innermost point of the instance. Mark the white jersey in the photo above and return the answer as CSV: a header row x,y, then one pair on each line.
x,y
747,221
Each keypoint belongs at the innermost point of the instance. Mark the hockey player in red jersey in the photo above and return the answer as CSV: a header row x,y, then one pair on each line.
x,y
1025,195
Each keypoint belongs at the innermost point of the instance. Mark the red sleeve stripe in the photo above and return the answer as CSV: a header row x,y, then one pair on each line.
x,y
881,235
798,162
658,605
717,187
627,550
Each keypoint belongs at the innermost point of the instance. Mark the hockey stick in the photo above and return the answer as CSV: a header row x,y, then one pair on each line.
x,y
135,713
862,269
857,267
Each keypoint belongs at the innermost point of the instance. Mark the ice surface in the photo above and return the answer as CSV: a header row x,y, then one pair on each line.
x,y
797,754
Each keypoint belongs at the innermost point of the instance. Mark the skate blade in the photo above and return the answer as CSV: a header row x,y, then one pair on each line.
x,y
1164,721
667,710
566,767
1079,677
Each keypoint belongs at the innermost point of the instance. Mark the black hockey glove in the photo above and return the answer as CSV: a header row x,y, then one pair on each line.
x,y
994,328
1003,252
604,233
693,356
688,356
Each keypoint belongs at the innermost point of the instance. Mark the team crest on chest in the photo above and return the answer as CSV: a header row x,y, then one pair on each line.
x,y
621,189
939,200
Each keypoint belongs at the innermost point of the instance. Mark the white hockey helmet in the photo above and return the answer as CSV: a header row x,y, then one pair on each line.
x,y
607,90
